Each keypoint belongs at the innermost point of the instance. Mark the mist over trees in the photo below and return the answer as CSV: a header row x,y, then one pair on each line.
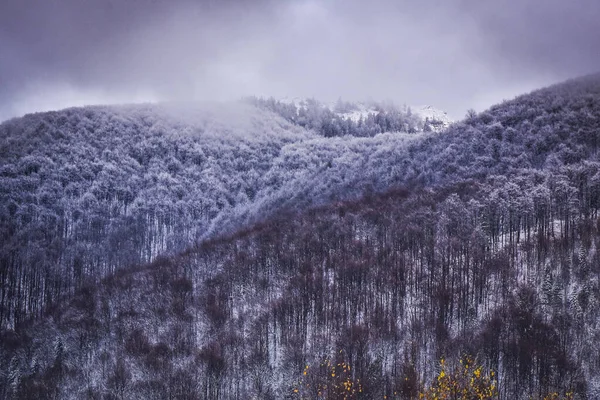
x,y
340,121
384,253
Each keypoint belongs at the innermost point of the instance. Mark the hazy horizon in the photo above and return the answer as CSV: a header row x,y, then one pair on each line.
x,y
452,55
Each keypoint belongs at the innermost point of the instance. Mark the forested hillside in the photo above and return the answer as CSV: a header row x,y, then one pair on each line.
x,y
87,191
543,130
479,240
388,285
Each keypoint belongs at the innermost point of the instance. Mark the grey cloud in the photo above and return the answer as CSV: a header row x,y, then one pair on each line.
x,y
452,54
551,35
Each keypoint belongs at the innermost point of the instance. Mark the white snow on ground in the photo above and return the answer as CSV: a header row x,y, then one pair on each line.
x,y
433,115
438,119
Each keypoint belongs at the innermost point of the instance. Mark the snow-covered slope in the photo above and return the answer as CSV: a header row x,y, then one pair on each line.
x,y
438,119
353,111
359,111
428,118
153,179
487,247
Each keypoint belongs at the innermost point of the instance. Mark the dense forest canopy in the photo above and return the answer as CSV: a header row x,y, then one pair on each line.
x,y
386,253
87,191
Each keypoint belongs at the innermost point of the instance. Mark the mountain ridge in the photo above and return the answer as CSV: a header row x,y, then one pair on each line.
x,y
480,240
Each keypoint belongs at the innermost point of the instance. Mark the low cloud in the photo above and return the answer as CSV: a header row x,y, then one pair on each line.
x,y
452,54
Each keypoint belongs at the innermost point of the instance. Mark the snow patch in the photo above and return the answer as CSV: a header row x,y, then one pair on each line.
x,y
438,119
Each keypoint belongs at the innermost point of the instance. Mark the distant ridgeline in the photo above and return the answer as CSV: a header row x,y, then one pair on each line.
x,y
384,253
354,119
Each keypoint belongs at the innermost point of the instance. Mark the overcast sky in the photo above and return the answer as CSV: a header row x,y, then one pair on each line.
x,y
452,54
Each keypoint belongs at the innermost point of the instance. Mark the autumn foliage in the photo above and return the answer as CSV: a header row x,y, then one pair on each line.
x,y
465,381
331,379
